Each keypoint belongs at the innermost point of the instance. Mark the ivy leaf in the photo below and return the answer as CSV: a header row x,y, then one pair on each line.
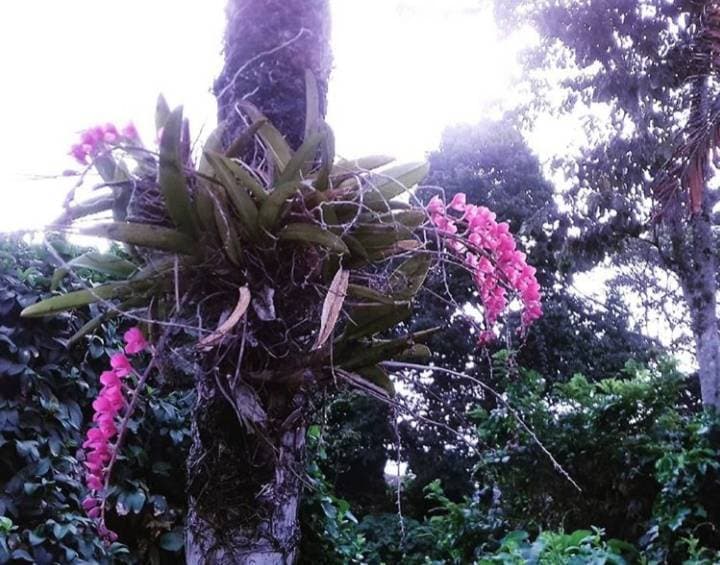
x,y
172,541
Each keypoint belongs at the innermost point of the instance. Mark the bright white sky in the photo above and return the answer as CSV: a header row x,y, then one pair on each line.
x,y
404,69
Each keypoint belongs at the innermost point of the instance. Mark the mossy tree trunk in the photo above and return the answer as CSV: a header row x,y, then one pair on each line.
x,y
268,46
245,479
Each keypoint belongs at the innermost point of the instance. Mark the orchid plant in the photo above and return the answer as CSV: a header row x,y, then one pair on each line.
x,y
291,263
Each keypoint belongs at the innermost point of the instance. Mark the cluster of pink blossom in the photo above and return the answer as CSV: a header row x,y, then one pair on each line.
x,y
488,250
107,406
95,140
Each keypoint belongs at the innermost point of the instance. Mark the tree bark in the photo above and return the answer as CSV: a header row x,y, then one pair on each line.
x,y
245,479
268,46
696,258
699,284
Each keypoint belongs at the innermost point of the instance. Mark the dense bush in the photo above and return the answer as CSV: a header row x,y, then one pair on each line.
x,y
646,458
45,393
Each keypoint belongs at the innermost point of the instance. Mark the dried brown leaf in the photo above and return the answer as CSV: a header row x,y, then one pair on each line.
x,y
211,340
332,306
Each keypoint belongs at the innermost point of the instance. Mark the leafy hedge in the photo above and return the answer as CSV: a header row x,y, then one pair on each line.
x,y
46,390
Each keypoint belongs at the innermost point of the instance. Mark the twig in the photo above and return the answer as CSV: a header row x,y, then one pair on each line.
x,y
399,481
559,468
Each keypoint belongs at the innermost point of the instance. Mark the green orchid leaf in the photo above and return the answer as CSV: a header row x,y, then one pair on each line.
x,y
271,137
356,248
379,377
370,319
76,299
205,207
415,352
98,320
228,235
238,194
162,112
241,143
171,176
246,178
157,268
361,165
143,235
409,218
213,145
105,263
87,208
394,181
327,157
409,277
352,358
272,209
401,247
379,236
311,233
312,105
305,154
366,293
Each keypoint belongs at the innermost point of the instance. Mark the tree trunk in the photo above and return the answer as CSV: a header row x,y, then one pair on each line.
x,y
245,479
244,482
699,283
268,46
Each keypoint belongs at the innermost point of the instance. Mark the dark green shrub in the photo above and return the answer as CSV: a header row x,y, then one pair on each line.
x,y
46,390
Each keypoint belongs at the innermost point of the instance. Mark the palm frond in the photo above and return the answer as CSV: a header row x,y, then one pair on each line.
x,y
686,172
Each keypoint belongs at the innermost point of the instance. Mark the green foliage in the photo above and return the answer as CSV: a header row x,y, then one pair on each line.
x,y
551,548
687,509
648,465
607,435
231,223
456,533
329,528
492,163
147,501
354,467
45,395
